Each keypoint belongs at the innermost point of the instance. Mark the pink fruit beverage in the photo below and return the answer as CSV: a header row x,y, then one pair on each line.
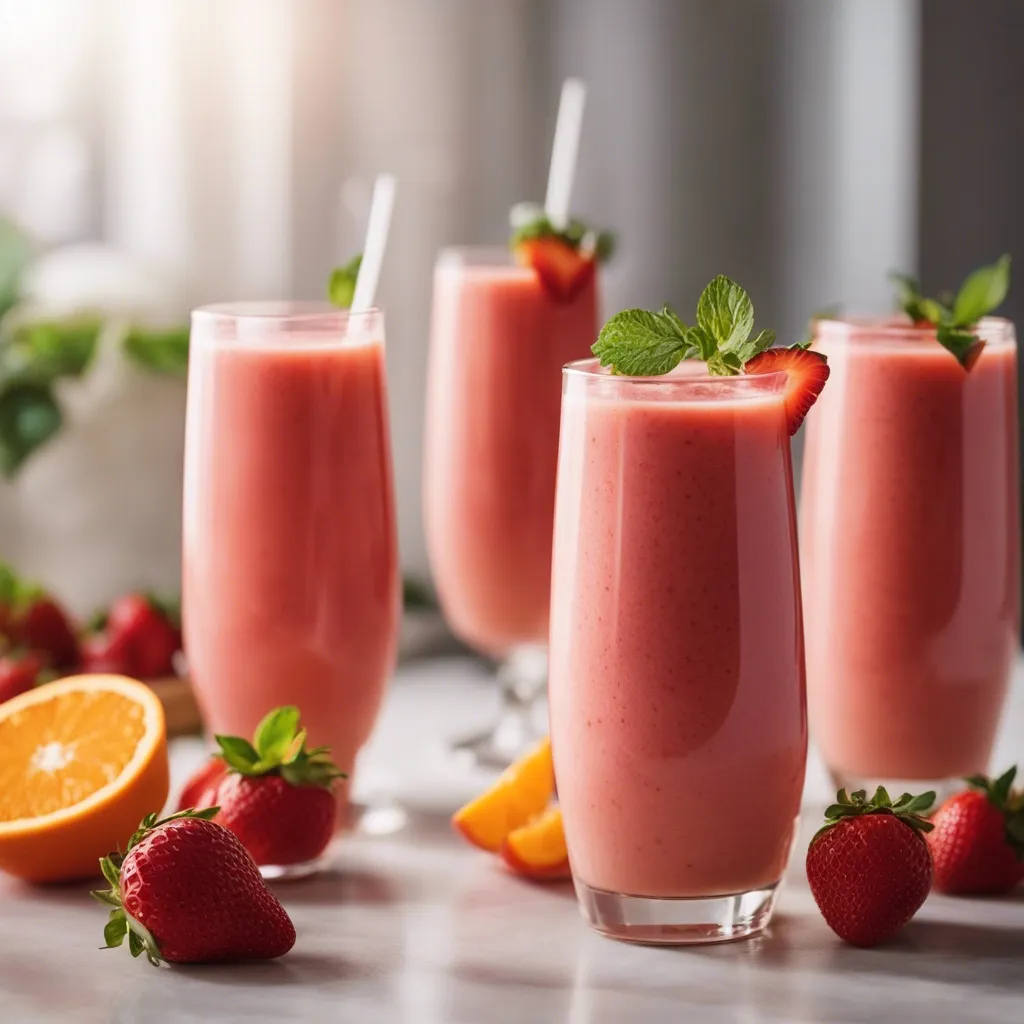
x,y
291,582
677,677
910,551
498,343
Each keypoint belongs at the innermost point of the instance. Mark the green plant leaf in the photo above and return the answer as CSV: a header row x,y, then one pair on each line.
x,y
29,417
15,256
982,292
957,340
159,351
341,287
725,311
238,753
639,343
115,930
111,871
276,734
701,341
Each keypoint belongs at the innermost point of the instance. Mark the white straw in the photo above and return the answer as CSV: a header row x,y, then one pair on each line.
x,y
376,239
564,150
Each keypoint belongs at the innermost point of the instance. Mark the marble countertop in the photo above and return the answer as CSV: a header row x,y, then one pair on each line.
x,y
416,927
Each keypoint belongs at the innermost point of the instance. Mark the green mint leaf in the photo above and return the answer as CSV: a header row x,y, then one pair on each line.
x,y
908,295
29,417
341,288
238,753
639,343
932,310
982,292
276,733
725,311
158,351
752,346
957,340
724,364
702,343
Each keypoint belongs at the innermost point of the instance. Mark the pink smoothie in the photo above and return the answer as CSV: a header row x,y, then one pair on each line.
x,y
498,344
910,551
291,584
677,676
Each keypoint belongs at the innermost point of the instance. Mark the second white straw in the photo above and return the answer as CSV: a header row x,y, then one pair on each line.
x,y
376,240
563,152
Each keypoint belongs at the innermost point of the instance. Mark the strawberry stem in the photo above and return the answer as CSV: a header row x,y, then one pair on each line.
x,y
908,808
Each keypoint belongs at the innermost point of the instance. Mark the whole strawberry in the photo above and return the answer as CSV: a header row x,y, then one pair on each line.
x,y
148,629
186,891
201,788
19,671
869,868
978,840
277,796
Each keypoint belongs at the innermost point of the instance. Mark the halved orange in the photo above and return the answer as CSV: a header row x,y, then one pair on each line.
x,y
538,850
520,793
82,761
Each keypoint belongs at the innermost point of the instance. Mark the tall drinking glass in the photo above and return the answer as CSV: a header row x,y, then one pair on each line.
x,y
291,580
910,550
498,343
677,701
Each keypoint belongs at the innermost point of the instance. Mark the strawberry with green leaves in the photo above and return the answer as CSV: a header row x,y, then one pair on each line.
x,y
868,867
274,794
186,891
645,343
34,621
565,258
978,840
955,318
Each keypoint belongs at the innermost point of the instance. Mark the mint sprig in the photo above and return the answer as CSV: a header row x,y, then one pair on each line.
x,y
955,316
341,288
640,343
529,221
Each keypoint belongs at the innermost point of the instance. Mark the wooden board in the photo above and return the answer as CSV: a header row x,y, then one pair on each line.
x,y
180,708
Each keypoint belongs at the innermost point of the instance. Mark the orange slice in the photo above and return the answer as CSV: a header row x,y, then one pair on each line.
x,y
82,761
521,792
537,850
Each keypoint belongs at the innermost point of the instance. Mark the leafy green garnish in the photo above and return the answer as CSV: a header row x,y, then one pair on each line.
x,y
954,317
640,343
530,222
341,288
908,808
160,351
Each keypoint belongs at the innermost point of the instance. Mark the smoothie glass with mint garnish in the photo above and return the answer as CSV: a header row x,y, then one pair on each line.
x,y
677,700
910,539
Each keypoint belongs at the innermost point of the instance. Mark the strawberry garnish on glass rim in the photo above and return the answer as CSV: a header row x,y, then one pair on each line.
x,y
565,259
806,373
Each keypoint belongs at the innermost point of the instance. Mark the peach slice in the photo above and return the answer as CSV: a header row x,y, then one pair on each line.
x,y
522,792
537,850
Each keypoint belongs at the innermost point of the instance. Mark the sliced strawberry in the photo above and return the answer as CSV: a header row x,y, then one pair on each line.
x,y
563,270
807,373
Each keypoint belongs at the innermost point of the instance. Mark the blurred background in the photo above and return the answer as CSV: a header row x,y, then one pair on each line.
x,y
157,154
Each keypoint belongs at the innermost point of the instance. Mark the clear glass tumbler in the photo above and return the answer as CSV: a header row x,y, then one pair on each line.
x,y
677,701
291,582
910,553
498,343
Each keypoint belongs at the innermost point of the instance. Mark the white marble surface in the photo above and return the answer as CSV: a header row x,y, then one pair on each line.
x,y
419,928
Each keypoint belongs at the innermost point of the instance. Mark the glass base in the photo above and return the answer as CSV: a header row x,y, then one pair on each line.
x,y
522,719
656,921
943,788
